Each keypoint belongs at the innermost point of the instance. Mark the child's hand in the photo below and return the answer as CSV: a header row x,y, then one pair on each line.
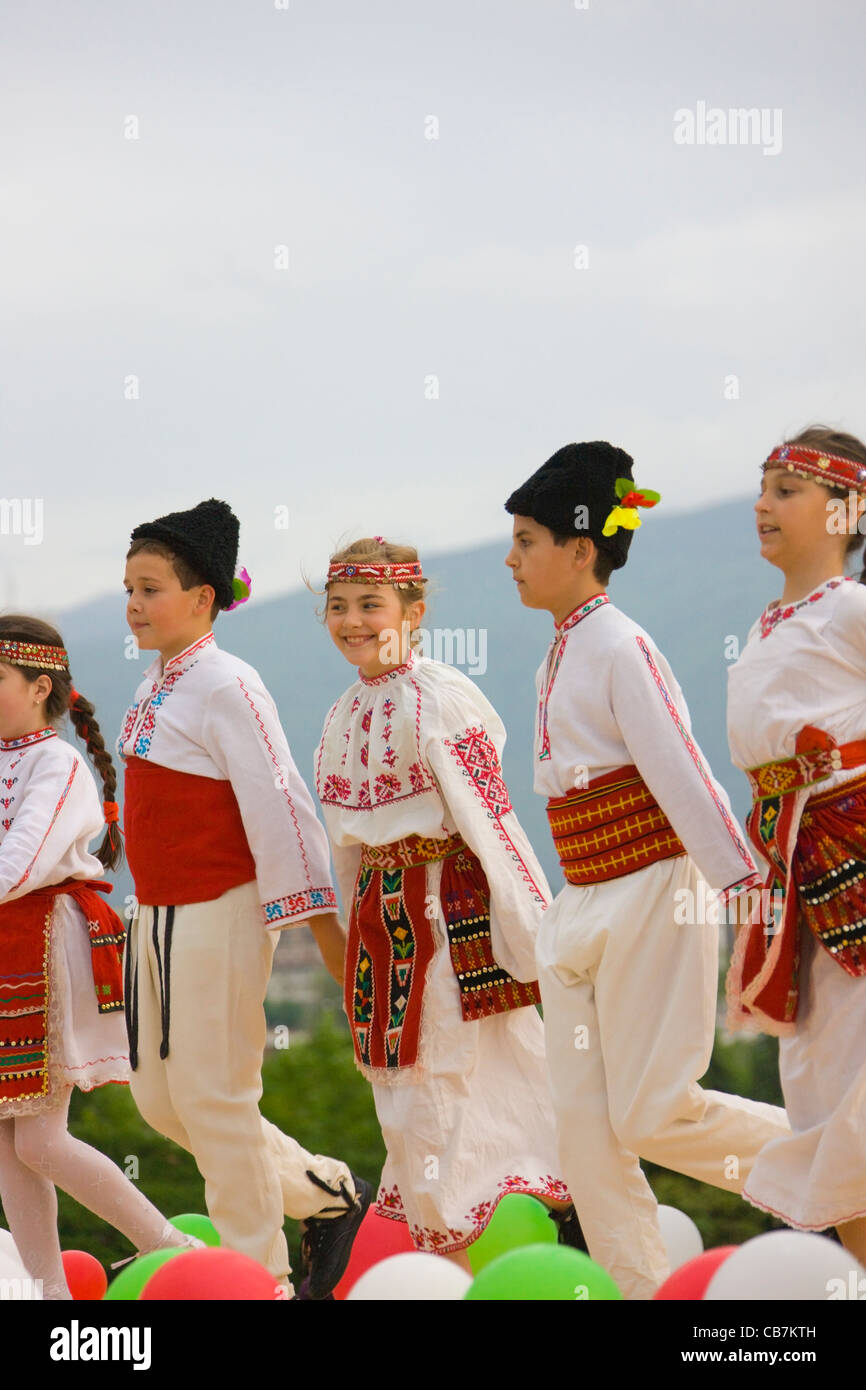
x,y
331,941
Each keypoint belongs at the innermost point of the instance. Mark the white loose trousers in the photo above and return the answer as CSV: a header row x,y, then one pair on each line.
x,y
205,1093
629,1001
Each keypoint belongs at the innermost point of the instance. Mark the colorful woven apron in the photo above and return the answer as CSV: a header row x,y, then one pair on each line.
x,y
392,941
816,845
25,945
611,828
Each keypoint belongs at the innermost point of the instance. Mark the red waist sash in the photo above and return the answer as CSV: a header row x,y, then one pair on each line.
x,y
25,946
185,839
612,827
392,941
816,846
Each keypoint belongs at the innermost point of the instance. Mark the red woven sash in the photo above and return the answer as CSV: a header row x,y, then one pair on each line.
x,y
185,839
24,985
816,846
611,828
392,940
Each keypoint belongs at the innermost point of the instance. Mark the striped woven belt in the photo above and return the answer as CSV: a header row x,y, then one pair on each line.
x,y
817,757
405,853
611,828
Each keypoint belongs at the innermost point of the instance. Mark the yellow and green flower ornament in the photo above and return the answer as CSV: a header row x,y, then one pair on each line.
x,y
625,512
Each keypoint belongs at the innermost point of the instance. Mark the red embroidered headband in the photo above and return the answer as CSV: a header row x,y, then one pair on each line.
x,y
34,654
401,575
809,463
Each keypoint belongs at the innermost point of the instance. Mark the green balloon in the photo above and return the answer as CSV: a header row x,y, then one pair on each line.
x,y
192,1223
543,1272
133,1277
517,1221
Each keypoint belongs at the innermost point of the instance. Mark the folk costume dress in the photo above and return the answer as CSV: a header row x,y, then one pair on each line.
x,y
61,1003
226,850
443,893
797,725
627,968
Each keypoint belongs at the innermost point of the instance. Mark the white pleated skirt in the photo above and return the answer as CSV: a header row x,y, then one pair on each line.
x,y
472,1123
816,1177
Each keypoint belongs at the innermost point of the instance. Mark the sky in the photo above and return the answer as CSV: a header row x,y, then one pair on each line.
x,y
360,267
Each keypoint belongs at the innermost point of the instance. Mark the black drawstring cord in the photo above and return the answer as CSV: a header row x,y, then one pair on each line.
x,y
130,994
166,1013
163,973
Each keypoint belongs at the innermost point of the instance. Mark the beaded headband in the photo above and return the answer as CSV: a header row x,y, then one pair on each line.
x,y
402,575
809,463
34,654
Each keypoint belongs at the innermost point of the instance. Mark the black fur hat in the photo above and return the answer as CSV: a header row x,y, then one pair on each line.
x,y
578,475
207,537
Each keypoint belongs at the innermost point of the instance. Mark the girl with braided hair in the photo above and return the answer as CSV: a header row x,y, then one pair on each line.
x,y
61,1002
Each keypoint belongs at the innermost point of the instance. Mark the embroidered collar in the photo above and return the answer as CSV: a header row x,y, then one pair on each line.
x,y
390,675
776,613
27,739
176,664
576,614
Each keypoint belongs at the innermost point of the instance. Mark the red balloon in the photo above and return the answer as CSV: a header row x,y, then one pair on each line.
x,y
691,1279
377,1238
212,1273
84,1275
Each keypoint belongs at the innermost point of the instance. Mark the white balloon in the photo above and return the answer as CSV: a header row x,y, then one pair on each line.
x,y
15,1282
788,1265
681,1236
412,1276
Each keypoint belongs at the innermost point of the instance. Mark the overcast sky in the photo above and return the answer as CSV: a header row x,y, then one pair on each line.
x,y
718,304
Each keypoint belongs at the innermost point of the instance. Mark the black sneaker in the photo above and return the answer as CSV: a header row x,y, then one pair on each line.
x,y
569,1231
326,1243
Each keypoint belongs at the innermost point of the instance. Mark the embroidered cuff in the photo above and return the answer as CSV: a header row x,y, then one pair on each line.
x,y
733,890
298,906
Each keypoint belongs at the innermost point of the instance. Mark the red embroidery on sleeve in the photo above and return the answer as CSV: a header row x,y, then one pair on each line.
x,y
282,780
696,758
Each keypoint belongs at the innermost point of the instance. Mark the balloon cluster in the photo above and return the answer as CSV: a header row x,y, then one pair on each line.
x,y
516,1258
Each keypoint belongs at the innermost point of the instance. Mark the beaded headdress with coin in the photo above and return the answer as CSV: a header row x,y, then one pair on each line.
x,y
38,654
44,656
818,466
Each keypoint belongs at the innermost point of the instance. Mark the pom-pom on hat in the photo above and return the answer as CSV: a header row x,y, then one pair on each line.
x,y
577,476
207,537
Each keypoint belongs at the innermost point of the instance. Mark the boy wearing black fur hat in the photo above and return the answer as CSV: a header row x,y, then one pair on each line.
x,y
629,994
225,850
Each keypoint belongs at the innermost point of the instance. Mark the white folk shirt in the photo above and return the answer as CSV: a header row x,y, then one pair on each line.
x,y
608,698
49,813
804,663
208,713
418,751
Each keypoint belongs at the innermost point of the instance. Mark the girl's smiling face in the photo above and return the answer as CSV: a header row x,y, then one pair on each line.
x,y
22,702
794,523
370,626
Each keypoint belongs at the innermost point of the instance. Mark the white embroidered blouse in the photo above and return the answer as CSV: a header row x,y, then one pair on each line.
x,y
607,698
803,664
209,714
49,813
418,751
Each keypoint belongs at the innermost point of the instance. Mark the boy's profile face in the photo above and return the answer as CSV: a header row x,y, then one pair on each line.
x,y
544,571
163,616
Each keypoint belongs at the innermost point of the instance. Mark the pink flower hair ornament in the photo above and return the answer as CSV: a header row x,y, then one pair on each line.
x,y
241,588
